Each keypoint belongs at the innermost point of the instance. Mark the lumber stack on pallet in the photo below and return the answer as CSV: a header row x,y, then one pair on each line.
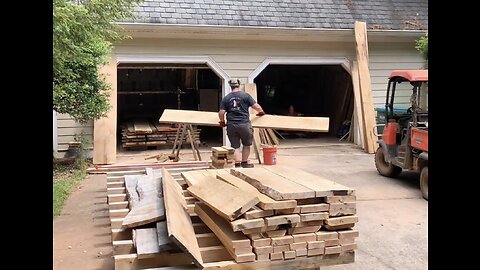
x,y
274,213
222,157
144,133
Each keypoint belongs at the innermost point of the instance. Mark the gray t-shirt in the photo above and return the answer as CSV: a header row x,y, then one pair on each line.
x,y
236,105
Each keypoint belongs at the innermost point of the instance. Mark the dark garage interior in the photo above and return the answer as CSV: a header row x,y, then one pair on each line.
x,y
145,90
308,90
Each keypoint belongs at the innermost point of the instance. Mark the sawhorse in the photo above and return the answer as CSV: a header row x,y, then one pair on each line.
x,y
183,131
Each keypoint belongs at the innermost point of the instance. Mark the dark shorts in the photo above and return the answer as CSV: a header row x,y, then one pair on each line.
x,y
237,132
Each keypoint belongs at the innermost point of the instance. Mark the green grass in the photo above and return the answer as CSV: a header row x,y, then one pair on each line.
x,y
65,179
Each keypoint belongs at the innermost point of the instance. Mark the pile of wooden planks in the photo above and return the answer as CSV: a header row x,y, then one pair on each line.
x,y
274,213
268,136
148,133
222,156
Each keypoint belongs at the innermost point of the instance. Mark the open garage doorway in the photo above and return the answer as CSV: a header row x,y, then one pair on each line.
x,y
308,90
146,90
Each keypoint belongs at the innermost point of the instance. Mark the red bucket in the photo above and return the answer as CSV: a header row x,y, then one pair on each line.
x,y
270,155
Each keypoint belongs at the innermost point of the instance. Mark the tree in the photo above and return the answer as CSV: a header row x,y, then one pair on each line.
x,y
422,46
83,32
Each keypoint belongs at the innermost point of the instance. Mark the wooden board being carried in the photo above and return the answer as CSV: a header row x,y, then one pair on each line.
x,y
318,124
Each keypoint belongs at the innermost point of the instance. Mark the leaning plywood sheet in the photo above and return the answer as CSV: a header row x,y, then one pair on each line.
x,y
265,203
179,224
322,187
273,185
319,124
214,192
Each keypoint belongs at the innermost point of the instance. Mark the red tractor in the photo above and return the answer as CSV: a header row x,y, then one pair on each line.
x,y
404,141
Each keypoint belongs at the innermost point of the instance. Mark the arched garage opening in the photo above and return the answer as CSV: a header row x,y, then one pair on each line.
x,y
308,90
145,90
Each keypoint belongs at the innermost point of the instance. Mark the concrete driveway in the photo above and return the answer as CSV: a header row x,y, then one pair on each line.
x,y
393,216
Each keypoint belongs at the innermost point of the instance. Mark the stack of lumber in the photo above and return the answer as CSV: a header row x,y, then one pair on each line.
x,y
148,133
222,156
274,213
267,136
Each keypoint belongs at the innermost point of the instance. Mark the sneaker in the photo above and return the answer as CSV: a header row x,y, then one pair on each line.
x,y
238,165
247,165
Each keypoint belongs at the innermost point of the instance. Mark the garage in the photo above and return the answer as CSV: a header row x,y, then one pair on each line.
x,y
308,90
145,90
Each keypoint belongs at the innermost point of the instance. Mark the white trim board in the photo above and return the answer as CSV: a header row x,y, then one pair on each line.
x,y
343,61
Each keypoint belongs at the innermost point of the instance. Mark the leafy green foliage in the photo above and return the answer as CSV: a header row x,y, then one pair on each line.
x,y
83,32
422,46
65,179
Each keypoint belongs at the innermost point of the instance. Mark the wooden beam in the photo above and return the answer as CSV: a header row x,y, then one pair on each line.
x,y
358,104
365,85
213,192
230,239
318,124
266,203
179,224
251,88
322,186
105,128
146,242
273,185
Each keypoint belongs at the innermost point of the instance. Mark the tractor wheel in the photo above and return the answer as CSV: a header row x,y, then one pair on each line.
x,y
383,167
424,182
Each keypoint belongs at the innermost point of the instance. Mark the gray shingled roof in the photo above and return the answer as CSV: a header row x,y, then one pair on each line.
x,y
330,14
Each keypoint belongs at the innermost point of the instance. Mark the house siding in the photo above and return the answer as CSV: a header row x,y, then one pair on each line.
x,y
239,58
68,130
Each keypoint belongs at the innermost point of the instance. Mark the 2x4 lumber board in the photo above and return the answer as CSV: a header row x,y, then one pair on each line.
x,y
313,216
132,262
263,242
282,240
322,186
304,237
315,252
276,256
275,233
358,104
306,229
318,124
333,250
263,250
118,205
220,227
349,233
118,213
336,221
307,223
323,235
116,184
297,246
111,191
207,240
245,224
214,254
282,219
164,242
346,241
349,247
123,247
288,255
213,193
315,244
365,84
256,212
146,241
312,208
340,199
281,248
121,173
331,243
265,202
301,253
260,230
179,224
342,209
273,185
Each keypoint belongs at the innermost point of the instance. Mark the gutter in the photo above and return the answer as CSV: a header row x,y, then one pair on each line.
x,y
258,32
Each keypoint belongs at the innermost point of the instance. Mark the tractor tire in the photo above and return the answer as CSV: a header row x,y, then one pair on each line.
x,y
383,167
424,182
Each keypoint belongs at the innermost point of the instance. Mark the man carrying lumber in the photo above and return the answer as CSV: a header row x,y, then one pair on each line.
x,y
239,127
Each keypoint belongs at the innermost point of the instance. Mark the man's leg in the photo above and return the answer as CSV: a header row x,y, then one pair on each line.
x,y
234,138
245,153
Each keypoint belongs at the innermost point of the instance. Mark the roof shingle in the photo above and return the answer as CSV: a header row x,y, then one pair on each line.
x,y
378,14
